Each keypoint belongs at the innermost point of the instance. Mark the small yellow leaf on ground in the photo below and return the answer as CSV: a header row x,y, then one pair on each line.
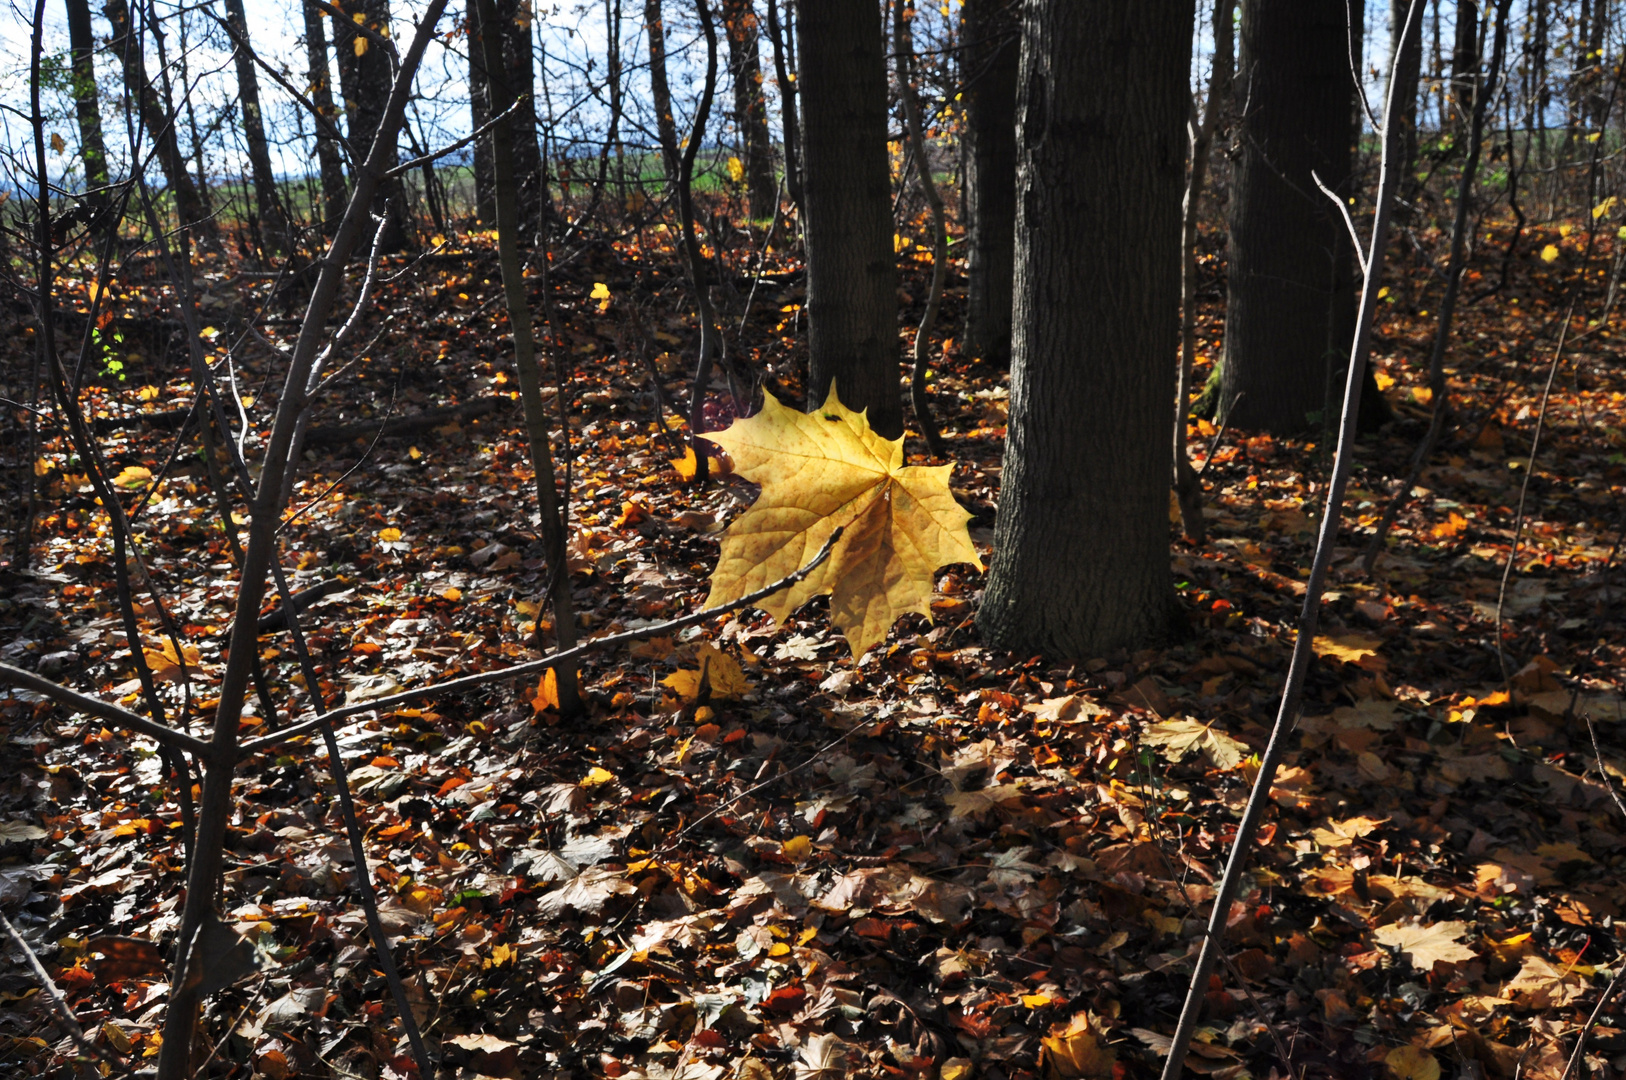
x,y
1410,1063
1423,945
390,536
1073,1050
133,478
597,776
1350,648
825,470
547,692
1177,738
1451,526
685,465
797,848
717,673
1549,253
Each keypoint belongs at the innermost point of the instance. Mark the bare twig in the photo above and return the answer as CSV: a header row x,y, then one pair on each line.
x,y
102,710
1524,489
1309,616
60,1003
568,656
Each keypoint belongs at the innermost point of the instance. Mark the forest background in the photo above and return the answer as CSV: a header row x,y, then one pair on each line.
x,y
413,570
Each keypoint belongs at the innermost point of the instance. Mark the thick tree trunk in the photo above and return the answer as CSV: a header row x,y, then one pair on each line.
x,y
1081,547
519,85
659,91
991,48
1405,73
273,222
1464,62
127,45
485,198
1188,486
328,157
750,109
364,76
1291,305
852,275
93,152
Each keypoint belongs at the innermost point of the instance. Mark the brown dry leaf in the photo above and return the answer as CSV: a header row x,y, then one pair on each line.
x,y
1424,945
1373,714
820,471
1074,1050
1341,834
1177,738
1543,984
1072,709
587,893
824,1057
972,803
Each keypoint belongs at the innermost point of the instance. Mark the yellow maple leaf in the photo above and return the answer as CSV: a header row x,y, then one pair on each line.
x,y
825,470
1350,648
166,663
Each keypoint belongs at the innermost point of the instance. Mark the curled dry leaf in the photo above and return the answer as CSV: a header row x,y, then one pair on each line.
x,y
1425,945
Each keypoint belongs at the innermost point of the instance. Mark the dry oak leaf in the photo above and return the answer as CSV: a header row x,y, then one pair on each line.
x,y
825,470
1177,738
1424,945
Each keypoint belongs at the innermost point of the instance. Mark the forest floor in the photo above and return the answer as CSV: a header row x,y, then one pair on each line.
x,y
940,862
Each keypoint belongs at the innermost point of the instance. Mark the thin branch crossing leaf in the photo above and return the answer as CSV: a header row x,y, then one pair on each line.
x,y
825,470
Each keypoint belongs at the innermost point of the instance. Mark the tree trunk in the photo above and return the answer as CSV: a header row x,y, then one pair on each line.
x,y
852,275
1188,486
364,76
1291,305
790,128
510,198
328,158
1405,73
1081,546
128,45
990,32
750,109
903,45
1465,62
92,150
660,92
485,199
273,222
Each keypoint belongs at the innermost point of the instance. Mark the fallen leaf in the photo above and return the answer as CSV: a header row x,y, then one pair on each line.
x,y
1424,945
717,674
1544,985
1349,648
1410,1063
1074,1049
587,893
1177,738
824,470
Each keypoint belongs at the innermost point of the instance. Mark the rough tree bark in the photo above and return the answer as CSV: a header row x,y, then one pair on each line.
x,y
1188,487
364,76
852,275
1464,62
92,151
1404,76
1291,305
750,108
329,161
1081,545
273,222
515,81
903,45
485,198
659,91
990,34
128,46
